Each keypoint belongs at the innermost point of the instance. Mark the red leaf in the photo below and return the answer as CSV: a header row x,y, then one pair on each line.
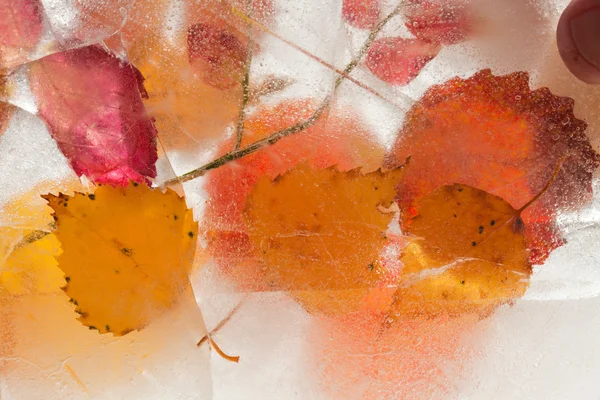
x,y
362,14
398,61
92,103
20,23
439,21
217,54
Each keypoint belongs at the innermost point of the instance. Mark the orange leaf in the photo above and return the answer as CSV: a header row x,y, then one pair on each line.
x,y
319,232
469,255
5,108
337,138
126,254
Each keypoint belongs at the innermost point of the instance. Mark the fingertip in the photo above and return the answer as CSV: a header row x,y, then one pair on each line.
x,y
578,39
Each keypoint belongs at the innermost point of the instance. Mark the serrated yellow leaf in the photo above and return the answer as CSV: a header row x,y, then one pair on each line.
x,y
127,253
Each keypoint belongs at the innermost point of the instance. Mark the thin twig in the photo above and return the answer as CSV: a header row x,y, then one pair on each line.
x,y
307,53
547,186
245,83
220,352
245,95
275,137
221,324
269,86
212,343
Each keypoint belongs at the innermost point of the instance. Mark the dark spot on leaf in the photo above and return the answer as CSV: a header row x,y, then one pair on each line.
x,y
126,251
473,244
107,328
518,225
460,189
135,184
493,223
454,215
371,267
462,282
376,188
68,279
92,196
92,328
458,203
117,271
175,217
191,234
480,230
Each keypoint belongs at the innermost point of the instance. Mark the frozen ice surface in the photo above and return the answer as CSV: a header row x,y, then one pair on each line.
x,y
29,156
544,346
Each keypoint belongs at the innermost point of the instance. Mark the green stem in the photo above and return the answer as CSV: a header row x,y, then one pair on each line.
x,y
275,137
245,95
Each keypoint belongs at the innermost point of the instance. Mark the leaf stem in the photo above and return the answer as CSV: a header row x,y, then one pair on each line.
x,y
233,311
275,137
314,57
245,84
547,186
220,352
212,343
245,95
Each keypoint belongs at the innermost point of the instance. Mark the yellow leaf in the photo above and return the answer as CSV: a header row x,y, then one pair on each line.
x,y
27,251
319,233
32,268
127,253
468,255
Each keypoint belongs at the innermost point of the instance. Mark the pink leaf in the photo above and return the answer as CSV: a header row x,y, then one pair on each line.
x,y
439,21
398,61
92,104
362,14
217,54
20,23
